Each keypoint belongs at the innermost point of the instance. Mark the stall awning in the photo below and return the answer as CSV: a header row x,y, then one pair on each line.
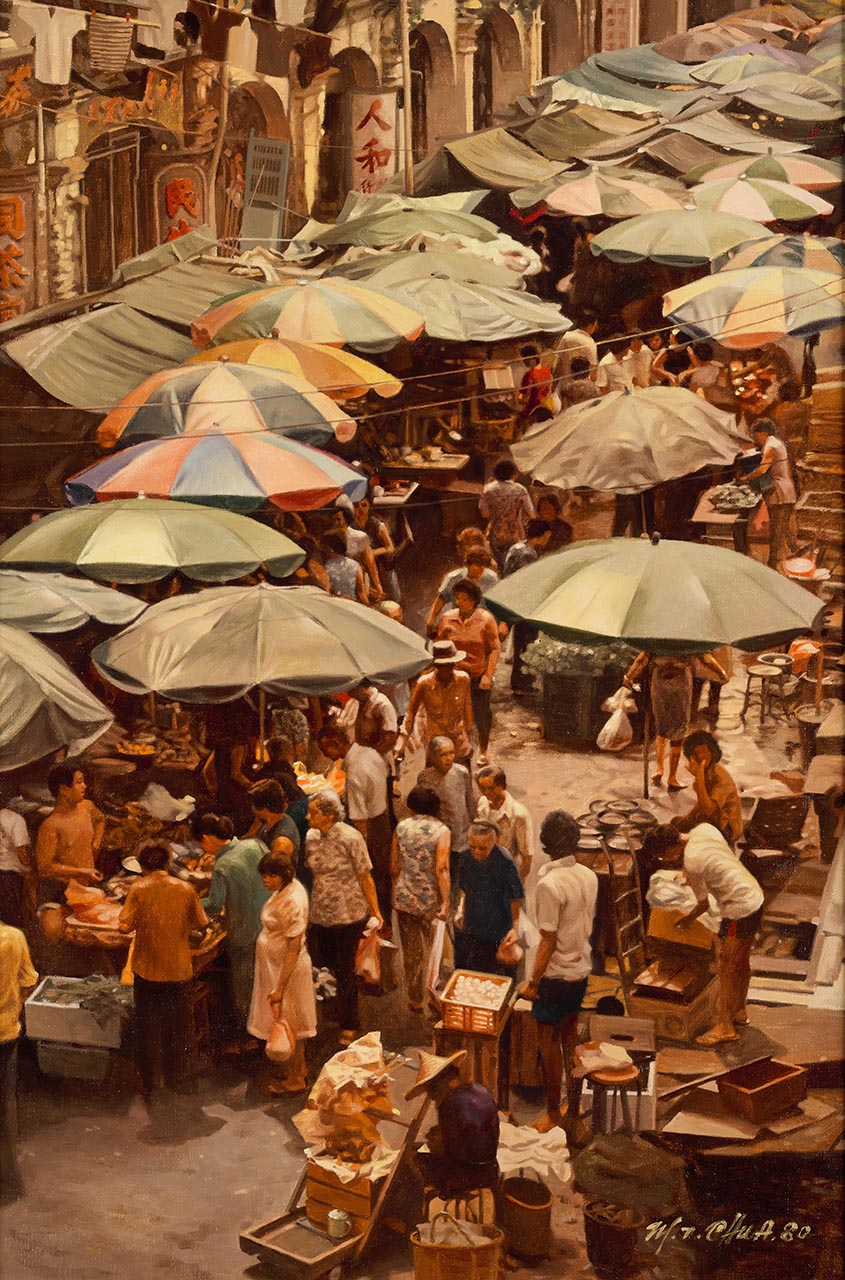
x,y
645,66
97,359
590,76
181,293
182,249
569,134
717,130
500,161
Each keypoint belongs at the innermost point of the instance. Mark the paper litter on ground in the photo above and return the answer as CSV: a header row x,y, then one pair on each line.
x,y
546,1154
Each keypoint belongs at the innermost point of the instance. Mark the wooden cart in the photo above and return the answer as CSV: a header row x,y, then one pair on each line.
x,y
300,1249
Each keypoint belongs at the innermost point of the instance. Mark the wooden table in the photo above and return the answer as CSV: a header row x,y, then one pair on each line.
x,y
390,501
488,1057
721,525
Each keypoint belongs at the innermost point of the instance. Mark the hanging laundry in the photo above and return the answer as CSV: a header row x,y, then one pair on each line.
x,y
109,43
53,31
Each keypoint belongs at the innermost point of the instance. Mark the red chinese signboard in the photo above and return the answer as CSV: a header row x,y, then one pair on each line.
x,y
620,21
179,201
372,138
16,264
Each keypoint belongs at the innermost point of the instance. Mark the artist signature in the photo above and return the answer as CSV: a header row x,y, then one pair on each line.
x,y
722,1232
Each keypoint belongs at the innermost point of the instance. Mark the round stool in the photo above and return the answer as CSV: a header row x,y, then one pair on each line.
x,y
757,685
609,1085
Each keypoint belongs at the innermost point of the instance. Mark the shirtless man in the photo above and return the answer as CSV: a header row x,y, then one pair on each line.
x,y
70,837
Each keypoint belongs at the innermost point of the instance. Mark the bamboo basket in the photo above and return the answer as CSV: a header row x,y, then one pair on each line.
x,y
457,1262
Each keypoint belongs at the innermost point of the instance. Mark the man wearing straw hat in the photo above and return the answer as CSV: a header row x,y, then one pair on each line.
x,y
464,1142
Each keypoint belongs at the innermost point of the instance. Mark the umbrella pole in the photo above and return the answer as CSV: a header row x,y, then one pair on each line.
x,y
646,744
262,725
819,677
151,707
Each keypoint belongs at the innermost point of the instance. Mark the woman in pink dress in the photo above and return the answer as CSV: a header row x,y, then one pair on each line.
x,y
283,986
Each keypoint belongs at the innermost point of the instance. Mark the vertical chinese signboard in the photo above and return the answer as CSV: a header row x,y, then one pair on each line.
x,y
179,201
16,254
372,138
620,23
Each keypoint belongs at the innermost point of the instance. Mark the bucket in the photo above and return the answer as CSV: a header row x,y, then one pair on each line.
x,y
611,1231
809,722
526,1215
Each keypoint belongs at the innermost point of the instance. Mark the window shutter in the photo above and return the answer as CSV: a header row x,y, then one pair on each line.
x,y
265,189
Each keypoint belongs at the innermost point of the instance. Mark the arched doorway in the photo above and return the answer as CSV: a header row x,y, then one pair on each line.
x,y
435,108
499,75
561,36
354,69
112,187
254,111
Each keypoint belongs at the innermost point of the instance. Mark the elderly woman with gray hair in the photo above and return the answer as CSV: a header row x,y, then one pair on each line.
x,y
343,899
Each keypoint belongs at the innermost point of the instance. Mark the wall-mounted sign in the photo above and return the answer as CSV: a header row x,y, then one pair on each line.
x,y
620,24
372,138
179,201
17,282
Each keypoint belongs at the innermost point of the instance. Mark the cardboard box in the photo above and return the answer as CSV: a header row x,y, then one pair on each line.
x,y
661,927
69,1024
674,1020
762,1090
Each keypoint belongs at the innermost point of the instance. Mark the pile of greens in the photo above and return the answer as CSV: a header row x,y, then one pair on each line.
x,y
734,497
546,656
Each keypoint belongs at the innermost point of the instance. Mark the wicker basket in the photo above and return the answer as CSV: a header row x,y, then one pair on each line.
x,y
456,1262
465,1017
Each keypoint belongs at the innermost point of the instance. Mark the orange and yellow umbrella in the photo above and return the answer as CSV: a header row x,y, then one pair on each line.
x,y
334,371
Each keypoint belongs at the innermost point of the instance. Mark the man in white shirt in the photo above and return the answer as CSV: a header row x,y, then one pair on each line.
x,y
366,805
15,861
615,371
780,494
712,868
496,804
565,912
577,343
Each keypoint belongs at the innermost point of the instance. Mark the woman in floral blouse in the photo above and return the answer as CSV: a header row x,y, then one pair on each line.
x,y
343,899
419,865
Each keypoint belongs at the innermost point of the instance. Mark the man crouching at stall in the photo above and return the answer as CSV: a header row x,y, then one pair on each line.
x,y
566,908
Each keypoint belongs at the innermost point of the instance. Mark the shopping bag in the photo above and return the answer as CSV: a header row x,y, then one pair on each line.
x,y
617,734
435,956
280,1043
368,958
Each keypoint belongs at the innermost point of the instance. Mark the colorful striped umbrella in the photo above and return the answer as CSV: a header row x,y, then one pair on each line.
x,y
240,472
142,540
338,373
808,172
224,397
621,193
760,304
677,239
760,199
335,312
818,253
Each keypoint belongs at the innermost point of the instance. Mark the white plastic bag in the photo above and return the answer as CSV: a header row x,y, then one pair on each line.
x,y
527,931
435,956
617,734
668,889
280,1043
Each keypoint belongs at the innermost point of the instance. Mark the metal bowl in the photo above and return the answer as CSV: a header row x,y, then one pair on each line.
x,y
589,844
623,806
597,806
643,819
611,822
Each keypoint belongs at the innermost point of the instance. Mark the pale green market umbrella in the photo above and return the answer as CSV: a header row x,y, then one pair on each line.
x,y
665,597
43,706
52,602
460,308
659,596
144,539
225,641
629,441
760,199
683,238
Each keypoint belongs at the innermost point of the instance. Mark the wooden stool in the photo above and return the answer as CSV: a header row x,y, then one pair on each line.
x,y
763,673
608,1085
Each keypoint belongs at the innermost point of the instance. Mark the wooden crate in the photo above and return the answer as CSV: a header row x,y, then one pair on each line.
x,y
294,1250
325,1191
762,1090
695,937
464,1017
487,1058
526,1069
671,979
674,1020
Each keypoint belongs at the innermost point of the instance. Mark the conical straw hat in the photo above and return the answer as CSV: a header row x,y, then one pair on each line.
x,y
430,1068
